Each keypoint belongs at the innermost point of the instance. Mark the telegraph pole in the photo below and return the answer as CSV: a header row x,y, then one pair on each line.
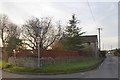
x,y
99,38
111,47
103,46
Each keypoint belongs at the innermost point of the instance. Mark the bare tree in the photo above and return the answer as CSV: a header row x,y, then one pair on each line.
x,y
8,29
45,29
10,34
3,26
13,30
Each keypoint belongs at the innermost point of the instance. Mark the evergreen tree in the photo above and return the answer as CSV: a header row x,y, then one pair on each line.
x,y
13,43
72,30
72,36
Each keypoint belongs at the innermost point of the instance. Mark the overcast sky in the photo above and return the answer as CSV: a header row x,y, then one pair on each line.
x,y
105,13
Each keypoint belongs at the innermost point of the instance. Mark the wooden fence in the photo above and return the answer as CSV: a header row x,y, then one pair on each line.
x,y
47,53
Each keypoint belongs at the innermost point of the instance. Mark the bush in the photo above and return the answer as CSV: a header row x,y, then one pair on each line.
x,y
88,51
117,52
6,65
58,46
103,53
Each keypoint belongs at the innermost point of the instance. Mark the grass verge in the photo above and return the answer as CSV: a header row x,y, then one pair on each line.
x,y
3,64
56,68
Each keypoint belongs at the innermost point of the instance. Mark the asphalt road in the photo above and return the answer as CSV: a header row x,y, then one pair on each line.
x,y
119,68
108,69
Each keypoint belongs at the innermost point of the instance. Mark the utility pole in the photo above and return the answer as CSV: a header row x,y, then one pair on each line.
x,y
103,46
111,47
99,38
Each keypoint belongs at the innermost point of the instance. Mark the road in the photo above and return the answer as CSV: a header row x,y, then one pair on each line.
x,y
119,68
108,69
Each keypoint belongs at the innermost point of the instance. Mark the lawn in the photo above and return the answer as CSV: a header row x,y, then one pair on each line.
x,y
57,68
3,64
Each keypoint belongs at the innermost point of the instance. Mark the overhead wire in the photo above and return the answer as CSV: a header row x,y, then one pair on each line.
x,y
92,13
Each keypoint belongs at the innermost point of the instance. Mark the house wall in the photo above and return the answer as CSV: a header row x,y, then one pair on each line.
x,y
95,48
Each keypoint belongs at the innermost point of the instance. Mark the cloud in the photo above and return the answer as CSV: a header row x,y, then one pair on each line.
x,y
110,41
59,0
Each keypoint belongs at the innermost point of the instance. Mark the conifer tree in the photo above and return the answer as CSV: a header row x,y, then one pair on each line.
x,y
72,36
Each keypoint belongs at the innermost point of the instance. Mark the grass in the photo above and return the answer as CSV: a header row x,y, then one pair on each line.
x,y
3,64
56,68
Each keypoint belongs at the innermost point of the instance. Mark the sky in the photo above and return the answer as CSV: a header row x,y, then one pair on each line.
x,y
91,13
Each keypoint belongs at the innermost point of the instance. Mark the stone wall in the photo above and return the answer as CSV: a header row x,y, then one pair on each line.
x,y
32,61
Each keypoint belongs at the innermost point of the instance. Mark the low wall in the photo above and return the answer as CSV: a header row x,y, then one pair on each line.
x,y
32,61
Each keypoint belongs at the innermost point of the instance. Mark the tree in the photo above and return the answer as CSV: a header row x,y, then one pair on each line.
x,y
88,50
3,27
8,29
12,37
72,35
72,29
58,46
13,43
117,52
45,29
10,34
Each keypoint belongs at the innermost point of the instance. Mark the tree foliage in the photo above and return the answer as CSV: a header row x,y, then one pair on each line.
x,y
72,36
72,30
3,27
44,28
116,52
8,29
13,40
10,34
58,46
88,50
13,43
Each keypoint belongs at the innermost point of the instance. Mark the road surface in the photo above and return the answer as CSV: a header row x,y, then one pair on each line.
x,y
108,69
119,68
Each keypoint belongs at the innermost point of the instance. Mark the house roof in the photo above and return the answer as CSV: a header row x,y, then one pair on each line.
x,y
89,38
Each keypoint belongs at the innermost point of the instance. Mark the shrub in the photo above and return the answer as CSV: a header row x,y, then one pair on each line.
x,y
88,51
58,46
103,53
